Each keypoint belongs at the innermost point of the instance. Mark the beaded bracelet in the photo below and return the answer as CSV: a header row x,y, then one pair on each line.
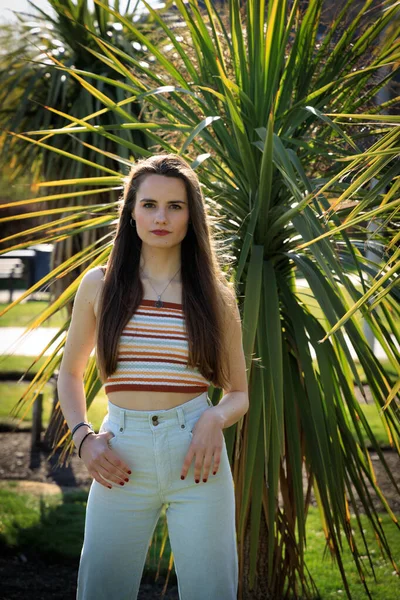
x,y
80,425
82,440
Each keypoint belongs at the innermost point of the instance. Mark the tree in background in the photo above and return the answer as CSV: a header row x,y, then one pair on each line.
x,y
280,123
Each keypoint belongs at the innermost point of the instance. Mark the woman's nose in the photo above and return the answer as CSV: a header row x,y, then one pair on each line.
x,y
160,216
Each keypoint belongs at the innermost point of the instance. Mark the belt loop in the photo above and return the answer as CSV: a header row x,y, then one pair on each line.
x,y
181,417
121,419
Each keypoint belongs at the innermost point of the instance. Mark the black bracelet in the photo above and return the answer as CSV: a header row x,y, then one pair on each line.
x,y
80,425
82,440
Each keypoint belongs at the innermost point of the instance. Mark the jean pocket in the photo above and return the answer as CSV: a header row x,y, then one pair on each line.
x,y
110,427
112,440
192,418
190,425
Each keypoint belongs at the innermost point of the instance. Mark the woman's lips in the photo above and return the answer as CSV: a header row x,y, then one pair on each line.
x,y
160,232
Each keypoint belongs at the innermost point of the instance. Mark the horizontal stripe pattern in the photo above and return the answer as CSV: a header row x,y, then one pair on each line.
x,y
153,353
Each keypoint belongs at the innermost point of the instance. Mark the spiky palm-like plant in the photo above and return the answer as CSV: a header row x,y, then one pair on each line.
x,y
279,121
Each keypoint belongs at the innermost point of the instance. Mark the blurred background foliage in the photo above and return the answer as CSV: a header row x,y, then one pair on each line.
x,y
29,83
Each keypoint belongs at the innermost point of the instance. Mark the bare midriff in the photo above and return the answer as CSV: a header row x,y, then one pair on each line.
x,y
142,400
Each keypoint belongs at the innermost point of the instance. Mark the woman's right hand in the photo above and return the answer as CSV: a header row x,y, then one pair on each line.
x,y
101,461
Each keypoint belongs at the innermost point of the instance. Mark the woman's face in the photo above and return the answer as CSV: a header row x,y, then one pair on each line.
x,y
161,203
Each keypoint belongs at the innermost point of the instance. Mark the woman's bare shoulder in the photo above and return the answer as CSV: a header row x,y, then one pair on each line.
x,y
91,285
94,275
93,279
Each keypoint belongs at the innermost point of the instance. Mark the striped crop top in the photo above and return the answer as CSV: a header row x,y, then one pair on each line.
x,y
153,353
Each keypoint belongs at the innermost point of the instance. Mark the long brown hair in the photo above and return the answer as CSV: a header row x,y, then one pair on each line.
x,y
205,287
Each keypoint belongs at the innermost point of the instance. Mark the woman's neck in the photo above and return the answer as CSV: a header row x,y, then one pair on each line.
x,y
159,265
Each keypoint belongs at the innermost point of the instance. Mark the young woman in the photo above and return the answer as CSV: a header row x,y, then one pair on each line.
x,y
165,324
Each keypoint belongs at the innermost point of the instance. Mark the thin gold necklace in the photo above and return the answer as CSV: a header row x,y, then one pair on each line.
x,y
159,303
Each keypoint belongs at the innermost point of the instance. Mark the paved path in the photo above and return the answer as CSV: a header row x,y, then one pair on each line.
x,y
30,345
34,342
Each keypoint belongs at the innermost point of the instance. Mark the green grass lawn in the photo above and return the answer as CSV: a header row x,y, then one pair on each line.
x,y
11,392
327,576
55,524
20,364
24,314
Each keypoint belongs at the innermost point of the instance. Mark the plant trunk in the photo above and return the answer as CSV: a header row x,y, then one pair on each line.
x,y
260,590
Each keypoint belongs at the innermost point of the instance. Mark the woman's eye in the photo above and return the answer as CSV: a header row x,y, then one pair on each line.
x,y
151,205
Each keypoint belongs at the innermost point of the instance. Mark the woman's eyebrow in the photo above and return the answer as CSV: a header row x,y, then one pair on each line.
x,y
169,201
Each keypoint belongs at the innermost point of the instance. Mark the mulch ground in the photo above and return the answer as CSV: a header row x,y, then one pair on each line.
x,y
28,576
24,577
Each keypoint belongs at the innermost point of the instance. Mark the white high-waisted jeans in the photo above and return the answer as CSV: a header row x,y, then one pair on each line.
x,y
120,522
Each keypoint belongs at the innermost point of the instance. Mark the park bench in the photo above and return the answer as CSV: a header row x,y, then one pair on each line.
x,y
11,269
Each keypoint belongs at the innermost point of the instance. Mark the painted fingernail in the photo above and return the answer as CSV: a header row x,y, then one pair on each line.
x,y
129,472
121,483
109,487
182,477
126,479
204,480
214,472
197,480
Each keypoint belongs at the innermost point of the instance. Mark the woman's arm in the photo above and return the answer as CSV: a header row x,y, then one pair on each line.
x,y
80,342
235,400
208,437
99,459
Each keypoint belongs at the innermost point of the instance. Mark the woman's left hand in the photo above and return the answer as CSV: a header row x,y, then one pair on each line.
x,y
207,443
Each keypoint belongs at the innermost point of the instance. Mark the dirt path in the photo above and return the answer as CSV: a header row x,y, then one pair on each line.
x,y
19,463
